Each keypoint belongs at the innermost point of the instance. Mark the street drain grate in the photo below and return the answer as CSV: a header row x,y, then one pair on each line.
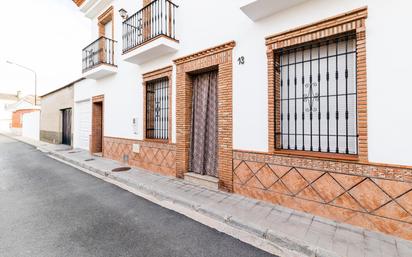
x,y
74,152
87,160
121,169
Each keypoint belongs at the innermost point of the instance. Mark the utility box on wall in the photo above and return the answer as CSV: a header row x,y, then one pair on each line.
x,y
136,148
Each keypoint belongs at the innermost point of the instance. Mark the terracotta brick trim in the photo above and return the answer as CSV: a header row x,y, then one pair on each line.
x,y
160,145
78,2
207,52
104,18
349,22
352,20
159,73
216,58
368,163
165,72
369,169
106,15
97,98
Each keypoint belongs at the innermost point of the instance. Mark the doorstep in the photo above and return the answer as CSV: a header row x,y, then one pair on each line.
x,y
290,232
100,154
202,180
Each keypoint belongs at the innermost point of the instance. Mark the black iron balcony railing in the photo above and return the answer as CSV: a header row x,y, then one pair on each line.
x,y
101,51
153,20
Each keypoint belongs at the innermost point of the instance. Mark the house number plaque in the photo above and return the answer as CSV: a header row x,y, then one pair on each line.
x,y
241,60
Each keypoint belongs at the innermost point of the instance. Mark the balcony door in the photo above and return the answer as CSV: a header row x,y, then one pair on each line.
x,y
106,44
108,29
108,33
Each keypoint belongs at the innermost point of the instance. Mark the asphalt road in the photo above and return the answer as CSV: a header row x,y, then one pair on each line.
x,y
51,209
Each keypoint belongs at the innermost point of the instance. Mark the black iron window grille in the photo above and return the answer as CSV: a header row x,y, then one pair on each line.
x,y
155,19
157,109
99,51
316,97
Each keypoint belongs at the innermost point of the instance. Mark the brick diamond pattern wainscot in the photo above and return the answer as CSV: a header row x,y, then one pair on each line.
x,y
152,156
373,196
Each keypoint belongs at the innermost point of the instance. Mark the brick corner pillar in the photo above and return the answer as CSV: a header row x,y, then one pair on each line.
x,y
225,126
183,122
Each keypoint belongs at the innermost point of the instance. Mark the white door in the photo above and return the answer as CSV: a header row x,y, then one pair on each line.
x,y
108,48
31,125
82,124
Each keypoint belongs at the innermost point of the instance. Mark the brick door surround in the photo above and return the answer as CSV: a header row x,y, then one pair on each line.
x,y
96,140
217,58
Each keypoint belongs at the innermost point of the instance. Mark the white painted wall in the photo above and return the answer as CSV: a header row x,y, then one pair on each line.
x,y
389,85
204,24
31,125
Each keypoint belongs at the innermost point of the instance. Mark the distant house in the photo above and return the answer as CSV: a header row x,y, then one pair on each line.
x,y
12,109
20,107
56,115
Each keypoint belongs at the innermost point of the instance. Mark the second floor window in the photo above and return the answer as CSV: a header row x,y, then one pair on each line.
x,y
316,97
157,109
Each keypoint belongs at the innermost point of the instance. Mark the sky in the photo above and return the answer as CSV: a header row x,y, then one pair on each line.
x,y
46,36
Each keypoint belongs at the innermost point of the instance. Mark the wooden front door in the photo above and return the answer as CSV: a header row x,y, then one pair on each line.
x,y
97,127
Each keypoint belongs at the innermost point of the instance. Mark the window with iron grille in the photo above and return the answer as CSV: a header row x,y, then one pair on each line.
x,y
157,109
316,96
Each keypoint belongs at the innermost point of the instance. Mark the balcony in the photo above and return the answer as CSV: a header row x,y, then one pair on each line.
x,y
259,9
150,33
98,59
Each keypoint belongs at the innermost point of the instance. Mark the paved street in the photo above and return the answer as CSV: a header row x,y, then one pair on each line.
x,y
51,209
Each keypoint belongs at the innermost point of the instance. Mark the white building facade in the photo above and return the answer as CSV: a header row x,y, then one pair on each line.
x,y
301,103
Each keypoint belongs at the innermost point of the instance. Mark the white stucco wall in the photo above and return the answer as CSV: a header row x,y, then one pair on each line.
x,y
51,106
389,86
204,24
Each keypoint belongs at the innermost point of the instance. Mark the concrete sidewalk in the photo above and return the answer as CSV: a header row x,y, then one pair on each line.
x,y
276,229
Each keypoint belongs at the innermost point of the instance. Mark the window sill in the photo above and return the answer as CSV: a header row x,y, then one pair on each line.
x,y
160,141
331,156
